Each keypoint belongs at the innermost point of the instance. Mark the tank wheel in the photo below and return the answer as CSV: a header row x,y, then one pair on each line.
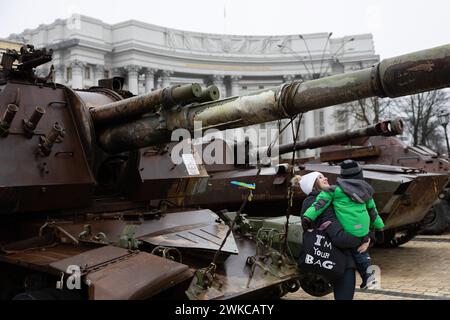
x,y
251,261
394,238
291,286
438,219
48,294
315,285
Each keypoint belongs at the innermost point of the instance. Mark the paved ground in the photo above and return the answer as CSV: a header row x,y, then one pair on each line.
x,y
420,269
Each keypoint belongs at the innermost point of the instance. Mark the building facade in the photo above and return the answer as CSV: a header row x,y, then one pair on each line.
x,y
148,57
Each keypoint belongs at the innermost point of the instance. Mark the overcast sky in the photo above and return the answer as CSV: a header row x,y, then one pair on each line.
x,y
398,26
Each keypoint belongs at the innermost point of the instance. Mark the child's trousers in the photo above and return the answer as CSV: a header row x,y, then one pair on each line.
x,y
363,262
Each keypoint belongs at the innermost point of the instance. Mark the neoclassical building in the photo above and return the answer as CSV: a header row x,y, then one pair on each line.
x,y
150,56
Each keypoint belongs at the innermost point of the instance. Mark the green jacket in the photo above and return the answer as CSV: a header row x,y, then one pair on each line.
x,y
353,204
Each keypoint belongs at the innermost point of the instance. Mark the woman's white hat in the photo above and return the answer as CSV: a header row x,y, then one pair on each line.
x,y
307,182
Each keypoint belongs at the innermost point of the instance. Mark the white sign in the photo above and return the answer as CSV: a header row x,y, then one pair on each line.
x,y
191,165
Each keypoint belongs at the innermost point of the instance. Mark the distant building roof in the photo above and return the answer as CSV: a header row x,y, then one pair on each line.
x,y
8,44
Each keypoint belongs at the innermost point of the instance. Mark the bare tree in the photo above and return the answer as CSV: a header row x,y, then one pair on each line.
x,y
367,111
420,113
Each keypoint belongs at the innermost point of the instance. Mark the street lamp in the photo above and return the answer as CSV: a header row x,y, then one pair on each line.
x,y
444,119
295,54
341,48
315,75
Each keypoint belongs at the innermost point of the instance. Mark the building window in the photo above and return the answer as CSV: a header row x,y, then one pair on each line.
x,y
263,141
87,73
106,74
261,87
69,73
244,87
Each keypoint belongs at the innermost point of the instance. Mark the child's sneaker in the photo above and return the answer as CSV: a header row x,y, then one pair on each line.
x,y
363,284
372,285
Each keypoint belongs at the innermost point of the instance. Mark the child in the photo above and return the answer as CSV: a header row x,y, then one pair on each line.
x,y
352,199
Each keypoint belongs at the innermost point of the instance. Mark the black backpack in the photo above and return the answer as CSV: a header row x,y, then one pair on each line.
x,y
320,256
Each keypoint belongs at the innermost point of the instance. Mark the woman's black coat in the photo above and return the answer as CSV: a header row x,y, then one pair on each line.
x,y
338,236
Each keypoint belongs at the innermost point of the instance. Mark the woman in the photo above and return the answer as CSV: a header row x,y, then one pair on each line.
x,y
312,184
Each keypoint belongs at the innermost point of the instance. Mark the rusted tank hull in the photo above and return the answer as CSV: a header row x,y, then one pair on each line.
x,y
269,197
29,181
114,273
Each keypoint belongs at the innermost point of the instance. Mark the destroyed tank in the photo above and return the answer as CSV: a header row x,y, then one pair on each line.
x,y
394,152
83,169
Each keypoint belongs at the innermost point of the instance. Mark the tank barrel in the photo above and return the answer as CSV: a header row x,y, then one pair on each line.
x,y
383,128
8,118
209,94
30,125
394,77
139,105
403,75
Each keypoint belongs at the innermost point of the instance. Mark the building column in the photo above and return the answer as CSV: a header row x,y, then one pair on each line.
x,y
217,80
133,78
309,130
99,73
166,74
235,85
329,120
286,136
150,80
77,74
59,73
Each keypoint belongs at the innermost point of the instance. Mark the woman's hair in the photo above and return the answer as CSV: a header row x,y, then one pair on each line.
x,y
316,185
